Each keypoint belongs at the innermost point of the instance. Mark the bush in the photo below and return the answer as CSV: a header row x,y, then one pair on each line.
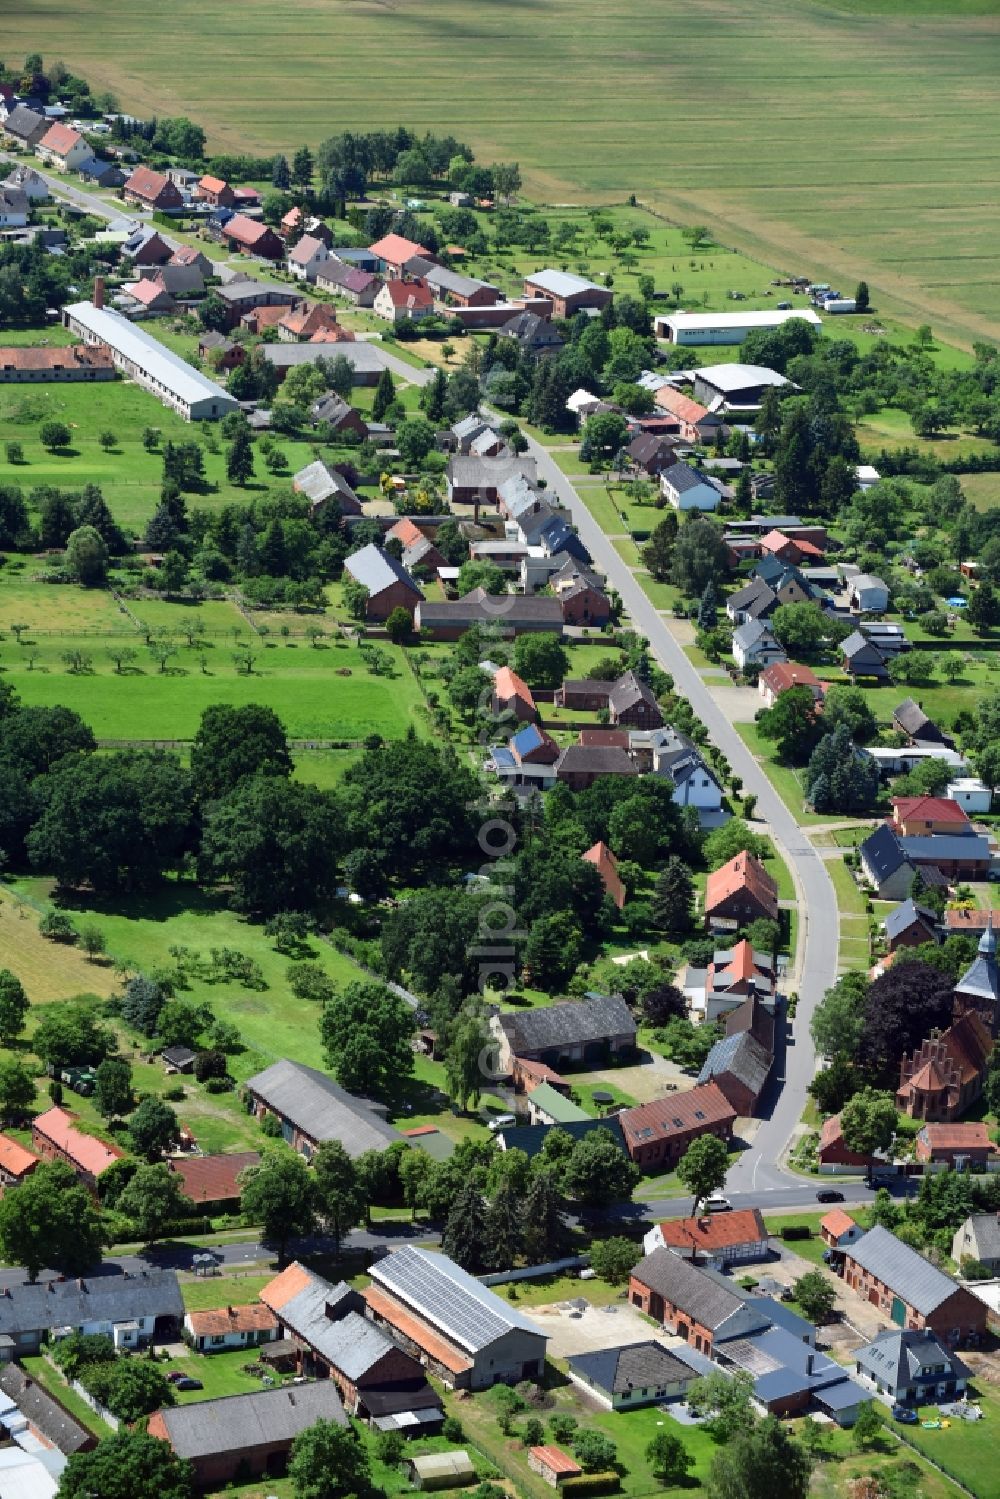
x,y
173,1094
591,1483
796,1231
451,1429
219,1085
57,927
271,1126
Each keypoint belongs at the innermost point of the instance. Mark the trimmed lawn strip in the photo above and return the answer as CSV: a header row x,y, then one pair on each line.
x,y
50,1379
783,778
205,1293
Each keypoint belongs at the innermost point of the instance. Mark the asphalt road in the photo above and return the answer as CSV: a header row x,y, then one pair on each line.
x,y
60,187
757,1170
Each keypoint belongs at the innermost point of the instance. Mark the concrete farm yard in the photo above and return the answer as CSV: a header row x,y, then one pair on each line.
x,y
850,166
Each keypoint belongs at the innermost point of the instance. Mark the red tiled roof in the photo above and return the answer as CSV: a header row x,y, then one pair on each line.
x,y
14,1158
957,1136
254,1318
715,1230
970,920
292,1281
409,294
266,317
60,139
146,183
606,738
29,358
783,675
147,290
213,184
420,1129
927,809
416,1329
537,1072
157,1427
744,872
395,250
774,541
607,867
308,320
292,219
507,684
185,255
85,1151
407,532
676,1113
680,405
213,1178
837,1222
555,1460
246,231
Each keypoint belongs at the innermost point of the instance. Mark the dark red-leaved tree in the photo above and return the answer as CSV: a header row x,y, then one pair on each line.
x,y
903,1006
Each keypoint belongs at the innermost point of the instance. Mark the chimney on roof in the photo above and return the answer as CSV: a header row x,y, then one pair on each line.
x,y
230,1312
810,1362
98,291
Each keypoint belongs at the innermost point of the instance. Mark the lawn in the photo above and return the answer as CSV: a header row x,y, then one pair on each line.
x,y
325,693
849,897
783,778
968,1449
48,970
206,1293
905,111
50,1378
807,1249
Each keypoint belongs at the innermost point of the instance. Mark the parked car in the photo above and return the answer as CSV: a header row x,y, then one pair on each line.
x,y
718,1204
186,1383
501,1121
829,1196
903,1416
173,1375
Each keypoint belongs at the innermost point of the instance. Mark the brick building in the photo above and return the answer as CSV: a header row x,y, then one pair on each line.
x,y
658,1133
912,1292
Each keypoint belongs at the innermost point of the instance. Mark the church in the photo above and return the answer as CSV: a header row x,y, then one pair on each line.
x,y
945,1075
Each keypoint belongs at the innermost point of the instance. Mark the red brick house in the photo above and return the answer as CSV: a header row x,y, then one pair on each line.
x,y
394,251
629,701
567,293
388,583
580,592
741,891
922,816
215,191
302,323
152,190
695,1305
153,251
512,695
834,1152
55,1138
251,237
793,549
580,765
16,1163
910,1291
658,1133
943,1142
838,1229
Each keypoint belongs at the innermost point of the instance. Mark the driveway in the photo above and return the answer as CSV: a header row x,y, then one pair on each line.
x,y
757,1169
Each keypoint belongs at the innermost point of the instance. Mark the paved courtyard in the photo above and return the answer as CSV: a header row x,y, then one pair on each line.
x,y
595,1327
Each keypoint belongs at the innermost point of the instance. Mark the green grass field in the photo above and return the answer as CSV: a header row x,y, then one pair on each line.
x,y
841,139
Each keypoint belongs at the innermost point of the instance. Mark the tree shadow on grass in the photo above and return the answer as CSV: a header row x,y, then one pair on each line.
x,y
177,898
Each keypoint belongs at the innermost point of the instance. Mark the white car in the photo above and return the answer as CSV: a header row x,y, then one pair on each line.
x,y
718,1204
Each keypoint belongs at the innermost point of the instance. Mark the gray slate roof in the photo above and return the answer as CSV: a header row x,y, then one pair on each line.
x,y
682,478
572,1023
628,691
561,283
531,1137
982,978
637,1366
362,357
468,471
902,1356
986,1229
717,1304
318,482
447,1297
46,1415
321,1108
947,846
98,1298
883,852
23,122
914,1279
905,915
743,1057
377,570
239,1423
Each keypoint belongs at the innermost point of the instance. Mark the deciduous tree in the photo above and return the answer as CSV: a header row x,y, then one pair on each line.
x,y
50,1221
702,1168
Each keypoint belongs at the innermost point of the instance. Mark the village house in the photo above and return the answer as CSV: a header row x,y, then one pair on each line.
x,y
907,1367
477,481
920,816
450,289
49,1429
885,866
24,179
388,583
978,1238
740,892
568,294
356,286
28,364
533,333
212,1182
695,423
593,1029
512,695
972,920
461,1331
629,701
685,488
548,1105
16,1163
790,1377
971,794
133,1309
581,593
833,1153
393,251
365,359
738,985
64,148
375,1379
657,1134
782,676
838,1229
945,1075
863,658
739,1065
867,594
311,1108
910,719
146,247
242,294
398,301
152,190
147,298
229,1327
695,1304
216,191
322,484
528,759
606,865
965,1147
755,646
54,1137
339,415
223,353
791,549
244,1435
591,758
631,1376
312,321
251,237
715,1238
24,126
910,925
308,258
651,454
912,1292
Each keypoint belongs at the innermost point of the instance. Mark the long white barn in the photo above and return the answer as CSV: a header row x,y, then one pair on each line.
x,y
142,358
724,327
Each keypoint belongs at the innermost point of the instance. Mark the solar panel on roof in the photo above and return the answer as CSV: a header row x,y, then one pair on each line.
x,y
438,1289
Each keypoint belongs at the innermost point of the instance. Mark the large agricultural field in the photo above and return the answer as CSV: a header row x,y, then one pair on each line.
x,y
845,139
